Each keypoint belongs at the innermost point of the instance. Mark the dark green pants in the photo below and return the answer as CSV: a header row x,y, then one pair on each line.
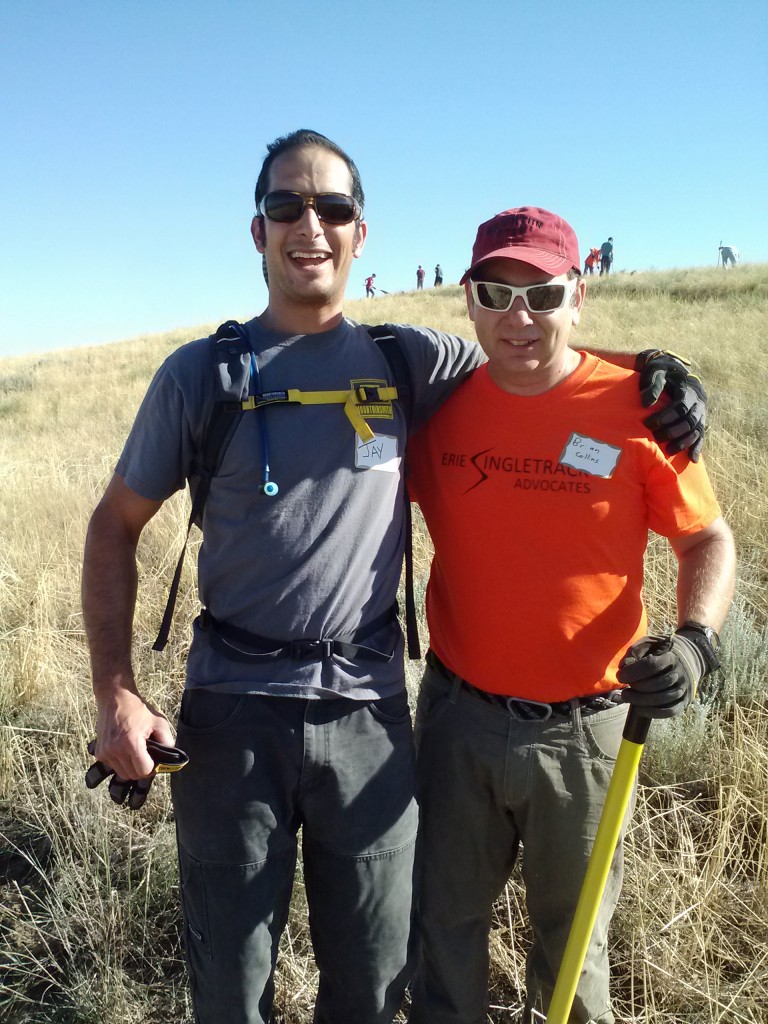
x,y
488,782
260,770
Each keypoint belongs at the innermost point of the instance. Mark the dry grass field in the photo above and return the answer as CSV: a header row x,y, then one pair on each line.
x,y
89,919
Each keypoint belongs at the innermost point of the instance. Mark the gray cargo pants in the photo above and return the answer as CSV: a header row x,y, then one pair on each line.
x,y
260,768
487,782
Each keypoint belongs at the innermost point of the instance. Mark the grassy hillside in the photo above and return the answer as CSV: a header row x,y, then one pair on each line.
x,y
88,892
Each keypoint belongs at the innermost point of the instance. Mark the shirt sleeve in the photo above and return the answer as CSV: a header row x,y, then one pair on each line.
x,y
158,456
439,363
679,495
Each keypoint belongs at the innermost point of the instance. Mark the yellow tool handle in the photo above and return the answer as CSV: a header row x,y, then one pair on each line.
x,y
608,831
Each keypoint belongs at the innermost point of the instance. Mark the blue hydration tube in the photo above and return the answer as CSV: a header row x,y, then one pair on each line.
x,y
267,486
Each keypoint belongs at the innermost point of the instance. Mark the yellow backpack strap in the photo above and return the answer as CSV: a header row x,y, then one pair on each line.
x,y
350,399
359,396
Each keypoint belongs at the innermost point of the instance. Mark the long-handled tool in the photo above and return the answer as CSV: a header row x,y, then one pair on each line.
x,y
616,802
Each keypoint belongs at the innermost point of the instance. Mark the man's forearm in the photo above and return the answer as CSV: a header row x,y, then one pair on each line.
x,y
109,597
125,720
705,581
662,674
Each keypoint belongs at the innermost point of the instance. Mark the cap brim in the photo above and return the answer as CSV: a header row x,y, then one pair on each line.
x,y
539,258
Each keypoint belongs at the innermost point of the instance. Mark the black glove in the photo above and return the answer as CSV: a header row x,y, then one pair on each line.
x,y
167,759
662,674
679,425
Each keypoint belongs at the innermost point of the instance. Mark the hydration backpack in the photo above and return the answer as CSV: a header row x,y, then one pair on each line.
x,y
232,368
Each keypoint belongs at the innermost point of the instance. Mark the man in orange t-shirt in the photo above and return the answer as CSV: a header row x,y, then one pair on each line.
x,y
539,482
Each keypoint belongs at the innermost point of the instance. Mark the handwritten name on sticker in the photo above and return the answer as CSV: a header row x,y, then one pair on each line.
x,y
380,453
598,458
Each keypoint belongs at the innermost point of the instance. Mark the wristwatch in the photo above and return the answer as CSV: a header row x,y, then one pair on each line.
x,y
706,640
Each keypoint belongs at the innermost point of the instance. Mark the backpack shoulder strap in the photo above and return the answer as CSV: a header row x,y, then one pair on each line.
x,y
229,353
388,340
391,346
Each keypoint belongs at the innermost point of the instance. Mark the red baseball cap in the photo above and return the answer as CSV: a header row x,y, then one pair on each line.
x,y
531,235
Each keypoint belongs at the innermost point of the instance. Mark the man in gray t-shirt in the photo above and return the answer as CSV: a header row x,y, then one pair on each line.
x,y
295,716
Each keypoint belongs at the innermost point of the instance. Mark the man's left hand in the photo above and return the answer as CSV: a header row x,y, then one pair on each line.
x,y
662,674
679,425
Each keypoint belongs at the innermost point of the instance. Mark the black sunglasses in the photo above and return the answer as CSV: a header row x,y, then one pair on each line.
x,y
330,207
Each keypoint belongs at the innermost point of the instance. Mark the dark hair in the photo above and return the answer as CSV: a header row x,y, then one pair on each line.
x,y
297,140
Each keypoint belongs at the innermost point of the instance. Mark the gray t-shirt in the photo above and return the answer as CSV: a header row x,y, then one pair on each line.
x,y
323,557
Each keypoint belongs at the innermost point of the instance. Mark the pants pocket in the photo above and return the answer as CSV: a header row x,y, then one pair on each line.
x,y
603,732
204,711
392,710
194,904
433,695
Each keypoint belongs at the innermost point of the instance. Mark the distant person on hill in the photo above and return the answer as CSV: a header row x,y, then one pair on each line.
x,y
369,289
728,254
606,257
539,482
295,712
592,261
420,275
438,276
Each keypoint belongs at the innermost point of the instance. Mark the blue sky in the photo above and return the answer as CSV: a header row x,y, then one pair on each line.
x,y
132,135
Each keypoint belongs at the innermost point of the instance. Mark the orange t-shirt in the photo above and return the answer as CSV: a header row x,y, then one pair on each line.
x,y
536,585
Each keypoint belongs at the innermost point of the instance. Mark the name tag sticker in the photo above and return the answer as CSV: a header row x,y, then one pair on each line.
x,y
380,453
598,458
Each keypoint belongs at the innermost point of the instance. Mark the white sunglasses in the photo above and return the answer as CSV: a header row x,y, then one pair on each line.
x,y
538,298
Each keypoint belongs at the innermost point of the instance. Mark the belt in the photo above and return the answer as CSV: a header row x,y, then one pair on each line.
x,y
241,645
528,710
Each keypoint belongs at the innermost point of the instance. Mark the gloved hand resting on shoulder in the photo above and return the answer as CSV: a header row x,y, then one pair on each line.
x,y
680,424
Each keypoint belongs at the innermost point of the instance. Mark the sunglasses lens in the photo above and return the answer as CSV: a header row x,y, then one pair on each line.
x,y
283,206
539,298
497,297
543,298
288,207
335,209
